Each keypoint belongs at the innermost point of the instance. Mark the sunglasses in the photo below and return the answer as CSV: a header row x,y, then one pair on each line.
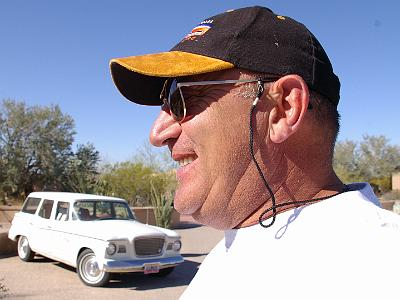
x,y
173,98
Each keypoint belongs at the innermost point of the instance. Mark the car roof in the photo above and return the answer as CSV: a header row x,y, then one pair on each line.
x,y
65,196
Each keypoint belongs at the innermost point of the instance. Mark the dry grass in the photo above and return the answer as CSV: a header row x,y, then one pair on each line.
x,y
3,289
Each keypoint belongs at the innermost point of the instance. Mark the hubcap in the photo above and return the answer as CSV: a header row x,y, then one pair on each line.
x,y
23,247
90,269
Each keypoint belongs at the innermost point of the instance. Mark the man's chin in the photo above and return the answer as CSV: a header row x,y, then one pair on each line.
x,y
210,221
186,207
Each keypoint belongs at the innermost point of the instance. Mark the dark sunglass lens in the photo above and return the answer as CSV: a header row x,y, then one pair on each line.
x,y
176,104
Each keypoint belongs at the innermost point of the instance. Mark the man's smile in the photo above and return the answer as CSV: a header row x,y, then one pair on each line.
x,y
187,160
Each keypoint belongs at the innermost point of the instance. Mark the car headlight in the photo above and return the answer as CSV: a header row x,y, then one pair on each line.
x,y
176,246
111,249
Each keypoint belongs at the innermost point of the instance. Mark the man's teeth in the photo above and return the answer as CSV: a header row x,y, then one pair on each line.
x,y
186,161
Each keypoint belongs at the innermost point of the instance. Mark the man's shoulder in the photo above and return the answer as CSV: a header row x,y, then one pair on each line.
x,y
367,199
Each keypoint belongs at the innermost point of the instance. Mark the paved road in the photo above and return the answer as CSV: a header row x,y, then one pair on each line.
x,y
46,279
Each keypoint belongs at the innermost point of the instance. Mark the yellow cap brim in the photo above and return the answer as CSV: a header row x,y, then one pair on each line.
x,y
140,78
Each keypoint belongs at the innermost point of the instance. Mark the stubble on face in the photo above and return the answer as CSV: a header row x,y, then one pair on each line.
x,y
217,187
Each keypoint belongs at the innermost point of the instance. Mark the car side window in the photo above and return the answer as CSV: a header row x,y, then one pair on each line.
x,y
62,211
31,205
45,209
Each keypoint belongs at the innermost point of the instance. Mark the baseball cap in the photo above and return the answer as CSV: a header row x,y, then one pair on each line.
x,y
250,38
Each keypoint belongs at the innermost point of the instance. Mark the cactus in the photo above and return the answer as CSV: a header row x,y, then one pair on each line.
x,y
162,203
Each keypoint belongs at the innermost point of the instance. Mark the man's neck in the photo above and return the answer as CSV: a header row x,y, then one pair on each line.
x,y
293,193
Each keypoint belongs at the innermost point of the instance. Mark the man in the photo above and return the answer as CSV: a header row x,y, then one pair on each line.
x,y
248,110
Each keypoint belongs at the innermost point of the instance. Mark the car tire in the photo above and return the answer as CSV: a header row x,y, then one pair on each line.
x,y
163,272
24,250
88,270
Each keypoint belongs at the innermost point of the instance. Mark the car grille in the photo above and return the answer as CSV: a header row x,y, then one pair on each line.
x,y
149,246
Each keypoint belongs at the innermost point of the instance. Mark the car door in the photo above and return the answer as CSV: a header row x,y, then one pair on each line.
x,y
44,236
61,231
25,222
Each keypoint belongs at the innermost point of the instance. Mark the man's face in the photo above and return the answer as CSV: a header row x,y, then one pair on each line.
x,y
215,179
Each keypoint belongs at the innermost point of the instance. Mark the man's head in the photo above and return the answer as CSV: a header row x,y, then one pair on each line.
x,y
218,183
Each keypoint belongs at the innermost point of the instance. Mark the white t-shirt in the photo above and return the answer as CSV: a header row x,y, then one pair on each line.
x,y
345,247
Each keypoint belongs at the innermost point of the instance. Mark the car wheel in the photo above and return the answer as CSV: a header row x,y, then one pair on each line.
x,y
24,250
163,272
89,271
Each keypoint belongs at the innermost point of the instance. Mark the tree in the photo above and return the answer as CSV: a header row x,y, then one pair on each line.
x,y
36,151
132,180
128,180
372,160
35,143
82,173
160,160
379,159
346,160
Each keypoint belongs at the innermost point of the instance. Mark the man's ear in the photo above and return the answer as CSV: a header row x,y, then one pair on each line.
x,y
290,99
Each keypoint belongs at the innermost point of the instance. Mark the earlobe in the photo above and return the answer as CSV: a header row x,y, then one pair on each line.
x,y
290,98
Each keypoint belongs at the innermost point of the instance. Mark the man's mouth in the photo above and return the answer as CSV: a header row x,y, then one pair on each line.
x,y
187,160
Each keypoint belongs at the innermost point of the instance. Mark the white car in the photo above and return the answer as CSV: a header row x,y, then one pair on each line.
x,y
97,235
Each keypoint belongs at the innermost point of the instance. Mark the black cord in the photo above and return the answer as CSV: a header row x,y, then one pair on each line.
x,y
297,203
273,208
273,200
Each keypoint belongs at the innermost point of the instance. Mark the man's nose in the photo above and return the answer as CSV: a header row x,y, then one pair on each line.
x,y
164,128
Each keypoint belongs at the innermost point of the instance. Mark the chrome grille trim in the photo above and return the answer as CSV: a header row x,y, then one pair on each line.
x,y
149,246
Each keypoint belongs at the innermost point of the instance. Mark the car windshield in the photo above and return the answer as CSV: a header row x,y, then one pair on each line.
x,y
91,210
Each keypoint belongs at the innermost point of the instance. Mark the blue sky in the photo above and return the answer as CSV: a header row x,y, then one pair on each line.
x,y
57,52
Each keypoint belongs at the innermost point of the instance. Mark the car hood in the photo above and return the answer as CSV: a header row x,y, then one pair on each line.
x,y
121,229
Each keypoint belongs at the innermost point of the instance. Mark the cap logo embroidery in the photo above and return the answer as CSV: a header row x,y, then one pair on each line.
x,y
199,30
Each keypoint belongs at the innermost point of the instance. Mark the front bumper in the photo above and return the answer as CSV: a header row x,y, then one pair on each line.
x,y
122,266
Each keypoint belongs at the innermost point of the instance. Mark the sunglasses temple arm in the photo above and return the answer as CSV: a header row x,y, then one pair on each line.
x,y
183,104
181,84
